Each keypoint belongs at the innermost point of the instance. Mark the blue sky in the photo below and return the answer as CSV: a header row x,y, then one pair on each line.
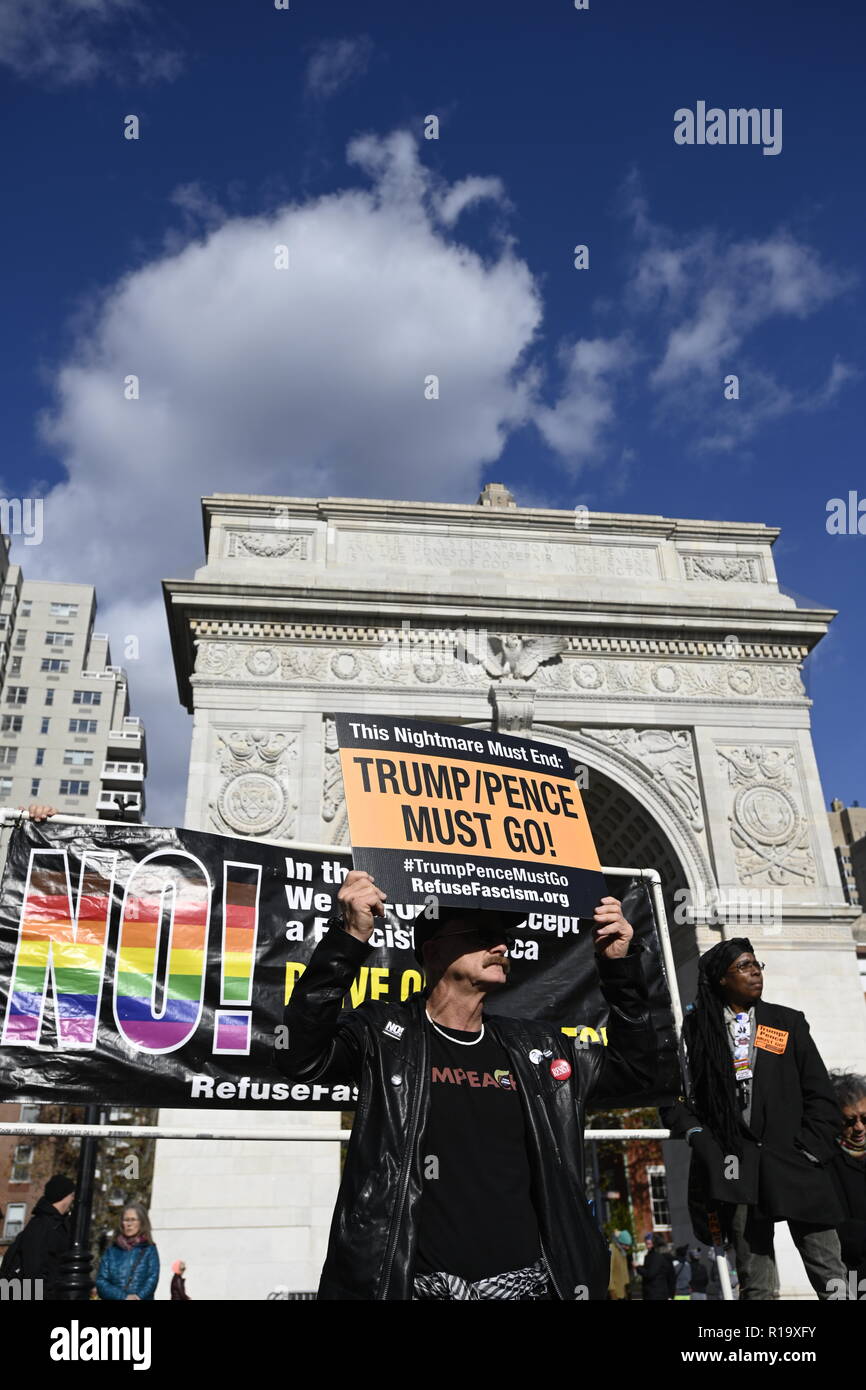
x,y
454,255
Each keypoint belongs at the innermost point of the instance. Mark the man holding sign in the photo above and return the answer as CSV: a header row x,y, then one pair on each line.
x,y
464,1177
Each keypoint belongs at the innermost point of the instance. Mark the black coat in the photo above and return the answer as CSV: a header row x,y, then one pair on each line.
x,y
698,1276
44,1240
658,1275
849,1175
371,1252
794,1110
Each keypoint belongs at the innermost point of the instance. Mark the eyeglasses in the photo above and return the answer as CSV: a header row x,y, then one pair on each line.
x,y
849,1121
749,967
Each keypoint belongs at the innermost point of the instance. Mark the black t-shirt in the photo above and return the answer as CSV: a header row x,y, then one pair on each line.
x,y
476,1215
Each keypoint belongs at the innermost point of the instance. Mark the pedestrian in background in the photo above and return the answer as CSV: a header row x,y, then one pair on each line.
x,y
849,1173
178,1283
698,1277
129,1269
620,1265
38,1249
683,1273
658,1274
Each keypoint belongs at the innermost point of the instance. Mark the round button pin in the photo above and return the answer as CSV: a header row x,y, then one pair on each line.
x,y
560,1070
396,1080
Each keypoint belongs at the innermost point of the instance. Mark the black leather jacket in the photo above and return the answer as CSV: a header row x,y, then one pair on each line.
x,y
373,1233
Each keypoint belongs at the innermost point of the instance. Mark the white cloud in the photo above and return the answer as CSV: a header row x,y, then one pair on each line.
x,y
575,427
306,381
765,400
466,194
73,41
334,63
725,292
698,300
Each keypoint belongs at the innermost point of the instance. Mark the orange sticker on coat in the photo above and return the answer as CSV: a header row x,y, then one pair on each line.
x,y
771,1039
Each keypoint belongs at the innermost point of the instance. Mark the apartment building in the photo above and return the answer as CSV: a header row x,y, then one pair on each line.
x,y
848,831
66,736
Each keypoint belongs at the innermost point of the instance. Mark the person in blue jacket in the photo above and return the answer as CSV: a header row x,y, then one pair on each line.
x,y
129,1269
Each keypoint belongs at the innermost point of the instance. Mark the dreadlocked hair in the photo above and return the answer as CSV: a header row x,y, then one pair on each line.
x,y
712,1071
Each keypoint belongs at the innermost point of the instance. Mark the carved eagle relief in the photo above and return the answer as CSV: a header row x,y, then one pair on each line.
x,y
506,654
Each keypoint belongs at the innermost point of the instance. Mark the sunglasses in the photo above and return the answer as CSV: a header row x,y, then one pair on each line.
x,y
849,1121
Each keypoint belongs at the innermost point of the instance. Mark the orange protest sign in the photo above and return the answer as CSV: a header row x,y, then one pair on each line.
x,y
771,1039
466,811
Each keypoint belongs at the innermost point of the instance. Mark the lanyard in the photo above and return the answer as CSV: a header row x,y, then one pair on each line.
x,y
741,1029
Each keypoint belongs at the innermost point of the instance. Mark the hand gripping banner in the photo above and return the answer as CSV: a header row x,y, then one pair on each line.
x,y
144,966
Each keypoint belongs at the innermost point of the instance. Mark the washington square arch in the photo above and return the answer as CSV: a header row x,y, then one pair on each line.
x,y
661,654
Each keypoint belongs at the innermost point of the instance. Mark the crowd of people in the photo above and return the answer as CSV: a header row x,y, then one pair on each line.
x,y
128,1267
453,1189
771,1139
661,1273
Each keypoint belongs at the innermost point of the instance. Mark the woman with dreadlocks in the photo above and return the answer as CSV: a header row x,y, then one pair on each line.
x,y
762,1120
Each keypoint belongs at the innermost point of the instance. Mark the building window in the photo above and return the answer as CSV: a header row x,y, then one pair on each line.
x,y
44,727
17,695
49,697
16,1213
20,636
22,1162
52,663
87,697
34,786
15,666
78,757
40,757
658,1192
68,788
8,755
5,787
29,1115
82,726
12,723
64,610
59,639
24,610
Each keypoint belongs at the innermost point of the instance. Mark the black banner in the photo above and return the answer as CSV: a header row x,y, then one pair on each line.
x,y
144,966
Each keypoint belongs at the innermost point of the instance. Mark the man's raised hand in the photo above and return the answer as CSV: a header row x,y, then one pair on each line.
x,y
612,935
360,903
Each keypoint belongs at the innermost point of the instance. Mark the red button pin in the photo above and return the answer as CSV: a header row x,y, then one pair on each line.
x,y
560,1070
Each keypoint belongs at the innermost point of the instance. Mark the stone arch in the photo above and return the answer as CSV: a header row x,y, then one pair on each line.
x,y
636,823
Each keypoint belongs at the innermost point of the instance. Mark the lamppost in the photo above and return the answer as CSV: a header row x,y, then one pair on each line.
x,y
75,1280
